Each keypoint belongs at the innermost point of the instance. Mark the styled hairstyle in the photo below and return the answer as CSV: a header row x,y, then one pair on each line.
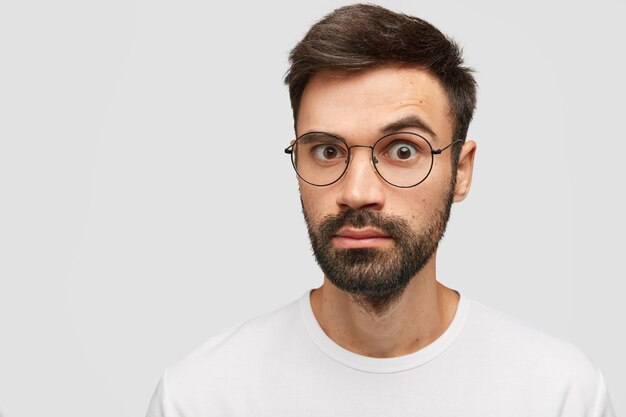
x,y
364,36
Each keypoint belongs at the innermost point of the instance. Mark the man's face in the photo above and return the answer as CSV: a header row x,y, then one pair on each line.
x,y
369,237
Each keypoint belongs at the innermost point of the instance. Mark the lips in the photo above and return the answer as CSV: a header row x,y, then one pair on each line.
x,y
361,238
368,233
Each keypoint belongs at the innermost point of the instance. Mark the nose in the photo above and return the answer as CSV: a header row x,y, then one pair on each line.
x,y
361,186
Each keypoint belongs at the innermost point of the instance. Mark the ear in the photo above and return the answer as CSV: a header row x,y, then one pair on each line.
x,y
464,171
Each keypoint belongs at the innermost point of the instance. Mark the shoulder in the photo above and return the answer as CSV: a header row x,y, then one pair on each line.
x,y
235,352
514,349
500,332
504,331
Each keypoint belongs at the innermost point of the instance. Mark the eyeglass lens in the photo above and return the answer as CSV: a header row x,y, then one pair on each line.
x,y
402,159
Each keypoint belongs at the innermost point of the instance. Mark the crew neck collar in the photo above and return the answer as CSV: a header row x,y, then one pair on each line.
x,y
382,365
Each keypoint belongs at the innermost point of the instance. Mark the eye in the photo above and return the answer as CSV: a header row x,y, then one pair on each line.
x,y
327,152
402,151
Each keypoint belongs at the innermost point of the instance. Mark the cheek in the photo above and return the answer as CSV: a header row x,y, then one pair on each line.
x,y
418,205
442,169
314,202
434,192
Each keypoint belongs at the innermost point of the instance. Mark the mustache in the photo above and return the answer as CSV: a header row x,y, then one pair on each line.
x,y
394,226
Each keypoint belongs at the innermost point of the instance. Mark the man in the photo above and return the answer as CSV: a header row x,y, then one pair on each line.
x,y
381,104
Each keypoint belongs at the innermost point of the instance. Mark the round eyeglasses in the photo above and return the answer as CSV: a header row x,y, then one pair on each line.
x,y
402,159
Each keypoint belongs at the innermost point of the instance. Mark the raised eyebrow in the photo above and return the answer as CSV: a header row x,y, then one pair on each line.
x,y
406,122
311,136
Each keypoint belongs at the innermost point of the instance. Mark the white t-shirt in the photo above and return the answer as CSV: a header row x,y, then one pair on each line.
x,y
283,364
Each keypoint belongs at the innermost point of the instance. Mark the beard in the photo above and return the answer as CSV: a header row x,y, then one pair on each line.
x,y
373,277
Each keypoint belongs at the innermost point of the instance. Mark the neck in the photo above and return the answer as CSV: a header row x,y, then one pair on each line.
x,y
405,324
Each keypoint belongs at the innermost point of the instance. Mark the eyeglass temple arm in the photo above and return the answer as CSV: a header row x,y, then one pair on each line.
x,y
289,149
438,151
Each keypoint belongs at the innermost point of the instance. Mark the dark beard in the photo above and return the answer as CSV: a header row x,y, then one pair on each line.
x,y
376,277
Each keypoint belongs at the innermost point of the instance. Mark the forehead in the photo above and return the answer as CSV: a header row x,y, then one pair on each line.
x,y
357,105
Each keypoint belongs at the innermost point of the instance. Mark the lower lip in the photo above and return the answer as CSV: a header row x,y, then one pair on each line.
x,y
370,242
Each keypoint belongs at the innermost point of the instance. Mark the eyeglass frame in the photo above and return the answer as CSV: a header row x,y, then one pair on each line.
x,y
433,152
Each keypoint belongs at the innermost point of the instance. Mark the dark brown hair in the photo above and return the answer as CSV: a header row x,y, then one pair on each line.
x,y
365,36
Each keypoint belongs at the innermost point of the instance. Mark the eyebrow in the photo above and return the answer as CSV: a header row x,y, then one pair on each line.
x,y
408,121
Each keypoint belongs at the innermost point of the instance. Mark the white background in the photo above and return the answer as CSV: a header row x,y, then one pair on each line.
x,y
146,203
